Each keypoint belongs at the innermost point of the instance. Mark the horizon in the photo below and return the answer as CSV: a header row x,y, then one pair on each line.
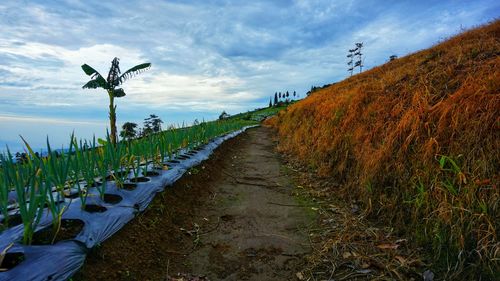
x,y
207,56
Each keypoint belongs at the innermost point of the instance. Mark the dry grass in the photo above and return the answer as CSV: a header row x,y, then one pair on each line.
x,y
417,141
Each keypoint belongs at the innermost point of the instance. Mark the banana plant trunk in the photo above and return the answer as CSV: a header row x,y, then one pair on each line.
x,y
112,117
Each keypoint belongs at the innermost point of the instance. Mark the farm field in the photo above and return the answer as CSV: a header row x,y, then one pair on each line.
x,y
50,198
243,223
306,140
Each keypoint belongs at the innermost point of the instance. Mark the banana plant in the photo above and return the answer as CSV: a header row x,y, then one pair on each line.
x,y
115,78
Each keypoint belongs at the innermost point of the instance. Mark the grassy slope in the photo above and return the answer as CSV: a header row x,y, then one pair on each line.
x,y
417,140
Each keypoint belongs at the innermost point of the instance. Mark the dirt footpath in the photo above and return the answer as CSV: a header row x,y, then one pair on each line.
x,y
231,218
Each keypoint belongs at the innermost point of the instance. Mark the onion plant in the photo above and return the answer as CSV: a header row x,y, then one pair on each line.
x,y
84,166
102,165
57,166
4,191
41,182
31,191
135,165
117,158
57,170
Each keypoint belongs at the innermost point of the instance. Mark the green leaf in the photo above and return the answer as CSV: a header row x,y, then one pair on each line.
x,y
101,142
94,84
89,70
97,79
442,161
118,93
134,71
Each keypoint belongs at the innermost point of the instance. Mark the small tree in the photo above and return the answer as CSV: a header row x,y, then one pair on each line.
x,y
270,102
152,124
294,94
350,62
147,129
155,123
128,131
276,99
359,62
393,57
114,80
223,115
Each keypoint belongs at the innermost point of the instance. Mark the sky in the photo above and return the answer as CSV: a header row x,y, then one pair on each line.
x,y
207,56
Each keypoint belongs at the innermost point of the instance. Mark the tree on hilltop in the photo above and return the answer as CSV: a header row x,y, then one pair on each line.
x,y
359,62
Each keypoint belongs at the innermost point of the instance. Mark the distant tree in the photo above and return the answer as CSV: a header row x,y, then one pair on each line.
x,y
270,102
294,94
279,95
393,57
313,89
156,123
359,62
128,131
115,79
275,99
287,94
147,129
350,61
152,124
223,115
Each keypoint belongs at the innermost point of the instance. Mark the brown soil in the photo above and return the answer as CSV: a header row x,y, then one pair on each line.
x,y
234,217
112,198
69,229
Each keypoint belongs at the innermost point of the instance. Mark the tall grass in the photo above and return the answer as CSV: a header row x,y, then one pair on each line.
x,y
423,132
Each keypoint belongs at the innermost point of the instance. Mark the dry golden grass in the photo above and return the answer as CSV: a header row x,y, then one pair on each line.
x,y
418,141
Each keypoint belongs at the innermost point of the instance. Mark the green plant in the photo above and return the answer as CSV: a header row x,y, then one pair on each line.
x,y
31,191
40,183
128,131
4,193
115,79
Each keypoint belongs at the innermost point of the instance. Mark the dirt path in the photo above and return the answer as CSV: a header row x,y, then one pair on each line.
x,y
232,218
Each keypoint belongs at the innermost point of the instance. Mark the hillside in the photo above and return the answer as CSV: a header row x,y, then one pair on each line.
x,y
417,141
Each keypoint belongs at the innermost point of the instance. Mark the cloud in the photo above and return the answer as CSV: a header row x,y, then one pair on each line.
x,y
31,119
207,55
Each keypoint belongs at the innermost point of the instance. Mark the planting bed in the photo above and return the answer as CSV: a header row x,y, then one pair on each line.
x,y
89,226
233,217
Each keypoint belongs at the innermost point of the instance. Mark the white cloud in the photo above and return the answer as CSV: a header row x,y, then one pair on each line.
x,y
37,119
207,57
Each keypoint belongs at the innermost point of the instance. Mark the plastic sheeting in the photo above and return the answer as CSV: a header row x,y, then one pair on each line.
x,y
61,260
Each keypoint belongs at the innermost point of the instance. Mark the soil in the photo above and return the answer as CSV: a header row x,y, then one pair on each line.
x,y
233,217
112,198
11,260
92,208
69,229
140,179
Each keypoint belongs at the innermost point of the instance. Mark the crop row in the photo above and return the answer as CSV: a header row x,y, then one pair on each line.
x,y
38,184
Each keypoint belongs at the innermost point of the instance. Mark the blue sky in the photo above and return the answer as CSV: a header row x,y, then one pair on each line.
x,y
207,56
